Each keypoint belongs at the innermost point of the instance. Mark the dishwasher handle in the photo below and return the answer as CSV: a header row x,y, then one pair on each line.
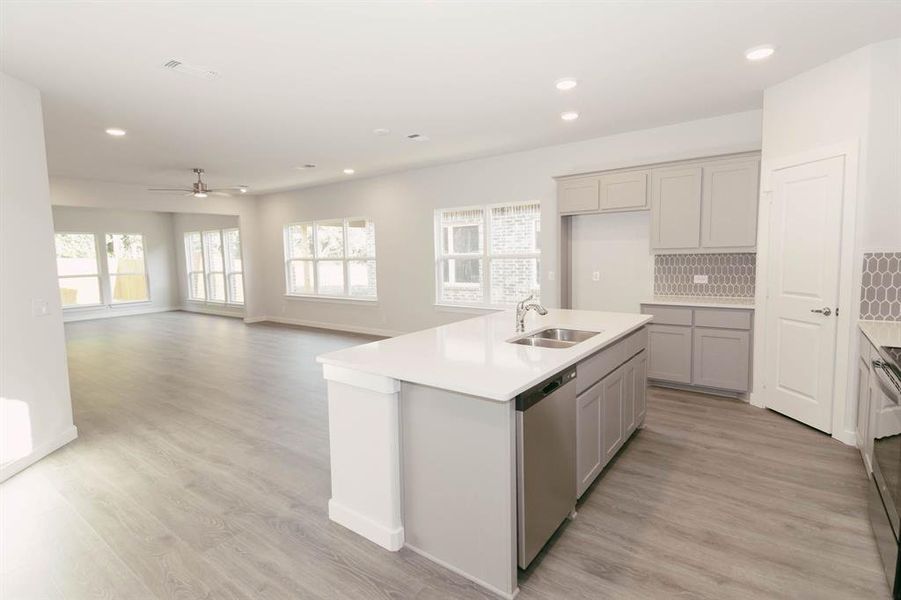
x,y
549,386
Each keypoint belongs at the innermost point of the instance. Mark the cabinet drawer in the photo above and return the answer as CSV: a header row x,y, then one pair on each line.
x,y
635,342
593,369
726,319
668,315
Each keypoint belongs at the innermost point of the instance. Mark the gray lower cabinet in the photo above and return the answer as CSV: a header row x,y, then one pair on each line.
x,y
608,412
613,395
669,351
721,358
706,347
589,446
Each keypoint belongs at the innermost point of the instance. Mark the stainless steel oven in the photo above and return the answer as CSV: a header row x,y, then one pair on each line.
x,y
885,487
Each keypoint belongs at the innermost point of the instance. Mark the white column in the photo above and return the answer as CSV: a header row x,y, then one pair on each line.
x,y
364,440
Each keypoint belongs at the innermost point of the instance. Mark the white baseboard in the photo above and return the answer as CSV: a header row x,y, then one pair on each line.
x,y
65,436
254,319
112,312
846,437
237,313
390,539
334,326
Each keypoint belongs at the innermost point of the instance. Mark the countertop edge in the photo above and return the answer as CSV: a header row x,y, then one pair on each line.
x,y
867,328
701,303
463,389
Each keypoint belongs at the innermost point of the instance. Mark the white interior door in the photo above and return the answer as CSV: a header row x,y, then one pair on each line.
x,y
805,248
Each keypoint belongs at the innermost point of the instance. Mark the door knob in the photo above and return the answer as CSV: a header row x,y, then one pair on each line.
x,y
823,311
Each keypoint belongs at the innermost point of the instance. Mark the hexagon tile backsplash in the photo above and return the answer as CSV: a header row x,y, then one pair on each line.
x,y
729,275
880,287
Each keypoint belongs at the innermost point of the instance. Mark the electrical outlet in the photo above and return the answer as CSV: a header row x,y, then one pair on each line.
x,y
596,276
39,308
701,278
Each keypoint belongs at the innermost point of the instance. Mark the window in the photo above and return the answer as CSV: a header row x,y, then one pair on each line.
x,y
487,256
126,267
333,258
78,270
214,266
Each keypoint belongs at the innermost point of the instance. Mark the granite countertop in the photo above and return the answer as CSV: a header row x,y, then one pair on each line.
x,y
882,333
475,357
702,301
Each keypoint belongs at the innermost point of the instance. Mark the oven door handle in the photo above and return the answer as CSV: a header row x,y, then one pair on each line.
x,y
888,380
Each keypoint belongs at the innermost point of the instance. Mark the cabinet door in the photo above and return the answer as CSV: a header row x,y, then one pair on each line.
x,y
863,409
641,387
676,208
589,447
669,353
577,195
729,206
629,398
612,396
624,191
721,358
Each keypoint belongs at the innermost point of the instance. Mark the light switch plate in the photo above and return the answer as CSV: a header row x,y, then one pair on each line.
x,y
701,278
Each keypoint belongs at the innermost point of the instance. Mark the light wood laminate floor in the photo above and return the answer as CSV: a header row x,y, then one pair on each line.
x,y
201,471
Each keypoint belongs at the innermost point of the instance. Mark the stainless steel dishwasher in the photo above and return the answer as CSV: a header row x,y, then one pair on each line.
x,y
545,462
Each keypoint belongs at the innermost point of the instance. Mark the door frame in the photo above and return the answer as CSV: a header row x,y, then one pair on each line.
x,y
843,406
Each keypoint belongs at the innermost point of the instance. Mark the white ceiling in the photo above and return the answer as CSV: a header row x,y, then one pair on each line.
x,y
308,82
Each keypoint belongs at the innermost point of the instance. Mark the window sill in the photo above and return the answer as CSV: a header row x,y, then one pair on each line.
x,y
86,307
215,303
334,299
466,308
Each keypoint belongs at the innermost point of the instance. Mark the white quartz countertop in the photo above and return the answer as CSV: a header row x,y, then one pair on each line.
x,y
702,301
882,333
474,356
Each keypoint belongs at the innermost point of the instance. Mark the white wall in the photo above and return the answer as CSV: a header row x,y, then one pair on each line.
x,y
35,406
617,248
159,252
182,223
850,105
402,206
66,191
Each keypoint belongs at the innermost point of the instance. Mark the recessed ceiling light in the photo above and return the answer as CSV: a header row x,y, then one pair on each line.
x,y
566,84
349,171
243,189
381,131
759,52
115,132
199,195
569,115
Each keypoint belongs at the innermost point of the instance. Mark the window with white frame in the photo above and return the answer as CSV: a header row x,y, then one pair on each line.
x,y
214,266
333,258
126,268
78,269
487,255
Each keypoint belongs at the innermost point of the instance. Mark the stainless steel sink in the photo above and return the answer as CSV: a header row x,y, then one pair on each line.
x,y
565,335
555,337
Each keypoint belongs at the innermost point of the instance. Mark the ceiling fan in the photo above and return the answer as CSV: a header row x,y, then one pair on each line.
x,y
200,190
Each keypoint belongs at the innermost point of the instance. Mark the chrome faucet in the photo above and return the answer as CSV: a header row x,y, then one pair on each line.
x,y
524,306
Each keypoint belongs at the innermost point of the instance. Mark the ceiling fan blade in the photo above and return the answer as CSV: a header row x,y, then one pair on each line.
x,y
218,193
169,190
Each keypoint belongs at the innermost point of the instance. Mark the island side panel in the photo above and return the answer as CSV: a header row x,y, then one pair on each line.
x,y
364,445
459,483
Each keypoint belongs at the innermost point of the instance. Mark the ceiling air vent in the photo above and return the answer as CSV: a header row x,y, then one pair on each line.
x,y
192,70
418,137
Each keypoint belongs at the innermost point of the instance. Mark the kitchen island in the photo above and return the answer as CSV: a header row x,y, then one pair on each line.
x,y
423,430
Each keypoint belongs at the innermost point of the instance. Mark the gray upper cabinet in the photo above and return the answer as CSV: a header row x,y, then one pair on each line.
x,y
729,204
623,191
676,208
578,195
